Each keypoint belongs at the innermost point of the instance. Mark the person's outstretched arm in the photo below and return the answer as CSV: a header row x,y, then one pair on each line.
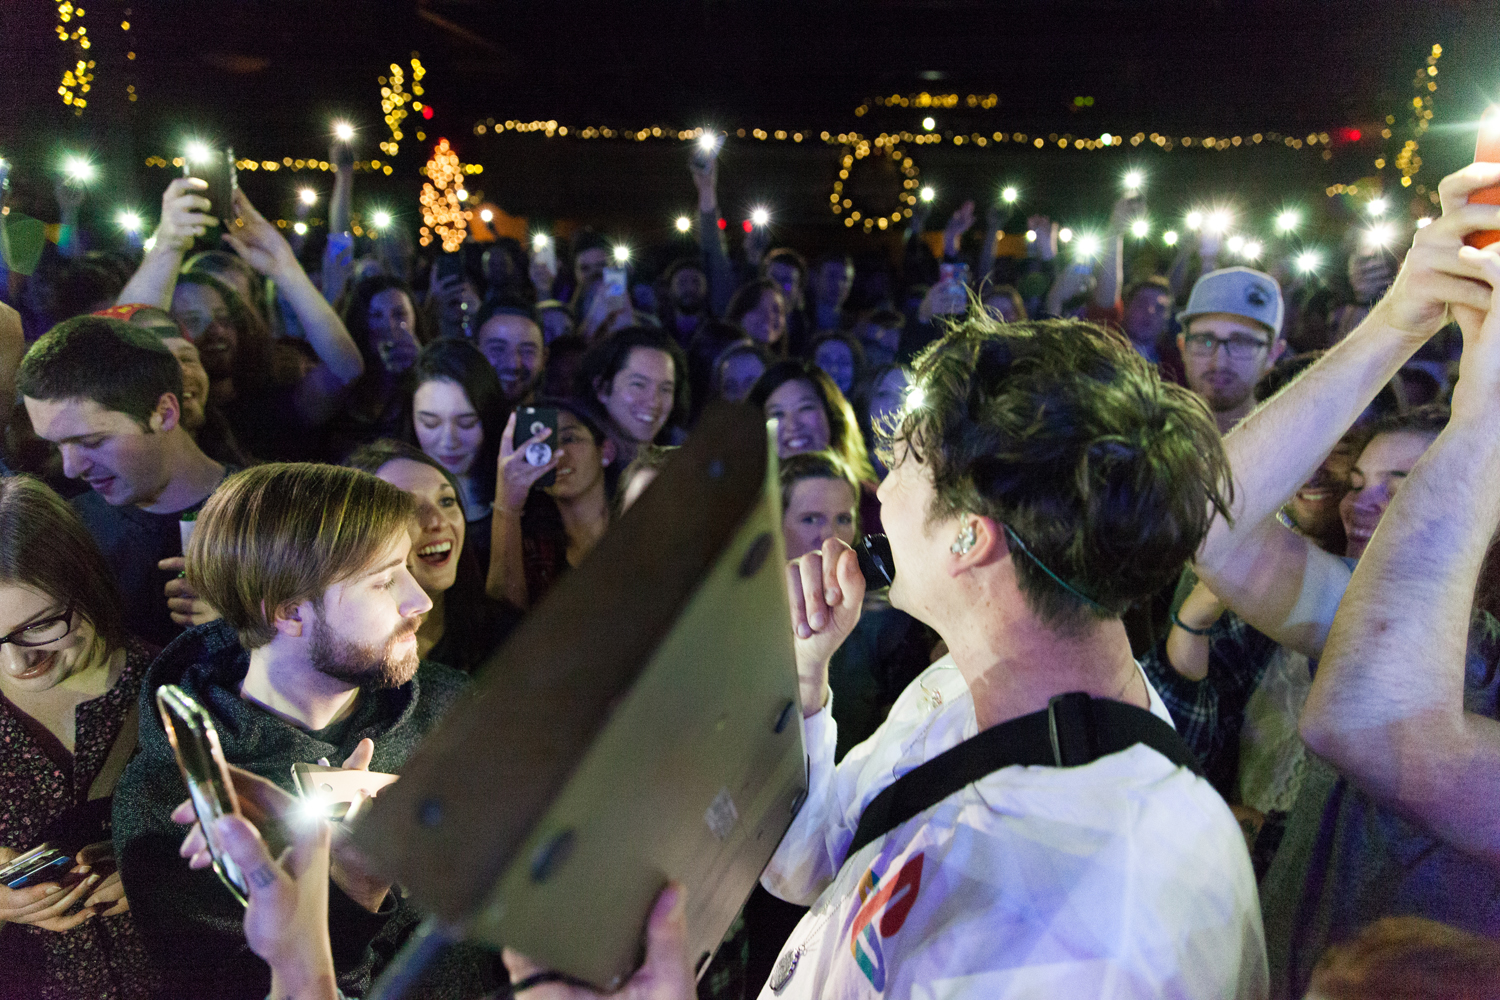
x,y
1387,704
340,363
506,578
1267,574
1109,272
184,217
711,243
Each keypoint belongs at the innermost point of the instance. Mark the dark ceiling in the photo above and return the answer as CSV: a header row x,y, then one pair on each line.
x,y
268,75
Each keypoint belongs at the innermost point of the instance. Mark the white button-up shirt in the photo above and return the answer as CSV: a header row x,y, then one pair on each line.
x,y
1127,877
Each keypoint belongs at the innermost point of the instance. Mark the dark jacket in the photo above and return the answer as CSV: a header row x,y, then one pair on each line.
x,y
192,926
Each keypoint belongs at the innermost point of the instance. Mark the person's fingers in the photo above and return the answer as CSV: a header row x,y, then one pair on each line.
x,y
799,604
184,813
507,437
60,905
173,564
66,922
1456,224
194,843
109,892
1454,190
811,567
30,899
360,759
667,940
850,580
244,846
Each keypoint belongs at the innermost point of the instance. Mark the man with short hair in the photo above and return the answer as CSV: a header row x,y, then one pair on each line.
x,y
315,658
510,338
1231,336
685,305
1020,539
109,395
1383,824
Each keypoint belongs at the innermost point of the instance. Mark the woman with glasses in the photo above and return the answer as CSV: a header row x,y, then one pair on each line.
x,y
69,681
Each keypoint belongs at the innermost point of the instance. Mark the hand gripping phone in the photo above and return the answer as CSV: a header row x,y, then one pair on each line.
x,y
38,865
1487,150
195,742
217,169
335,790
530,420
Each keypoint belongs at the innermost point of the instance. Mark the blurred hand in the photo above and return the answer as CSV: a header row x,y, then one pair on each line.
x,y
1436,277
958,224
1129,208
187,608
259,243
69,196
605,315
184,215
827,591
666,974
542,278
706,179
1209,244
341,154
516,475
47,905
1044,246
456,298
286,918
757,242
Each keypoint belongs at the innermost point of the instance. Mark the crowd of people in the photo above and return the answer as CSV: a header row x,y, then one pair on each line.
x,y
306,486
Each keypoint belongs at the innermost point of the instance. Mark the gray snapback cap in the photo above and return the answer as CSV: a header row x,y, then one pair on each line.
x,y
1239,291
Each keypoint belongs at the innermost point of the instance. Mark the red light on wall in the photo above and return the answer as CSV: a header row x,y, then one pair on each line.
x,y
427,111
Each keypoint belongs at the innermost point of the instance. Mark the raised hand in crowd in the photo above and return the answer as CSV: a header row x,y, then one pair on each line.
x,y
185,216
960,222
517,474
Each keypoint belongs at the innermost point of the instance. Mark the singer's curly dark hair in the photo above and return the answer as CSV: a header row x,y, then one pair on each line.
x,y
1059,430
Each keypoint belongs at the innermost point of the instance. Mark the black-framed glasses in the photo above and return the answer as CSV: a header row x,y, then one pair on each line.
x,y
1239,346
42,632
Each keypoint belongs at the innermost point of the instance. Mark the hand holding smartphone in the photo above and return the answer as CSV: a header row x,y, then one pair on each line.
x,y
217,170
1486,150
339,789
531,421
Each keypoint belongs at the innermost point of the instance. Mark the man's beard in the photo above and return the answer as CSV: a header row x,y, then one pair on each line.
x,y
371,668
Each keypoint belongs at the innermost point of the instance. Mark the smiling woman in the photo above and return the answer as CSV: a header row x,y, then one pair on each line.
x,y
463,626
70,677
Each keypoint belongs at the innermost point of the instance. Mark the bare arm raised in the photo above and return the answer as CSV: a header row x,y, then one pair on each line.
x,y
1273,578
1387,705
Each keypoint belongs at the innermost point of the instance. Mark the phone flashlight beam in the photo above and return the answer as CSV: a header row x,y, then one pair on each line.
x,y
343,131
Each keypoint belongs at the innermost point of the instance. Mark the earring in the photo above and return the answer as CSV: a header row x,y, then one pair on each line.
x,y
964,542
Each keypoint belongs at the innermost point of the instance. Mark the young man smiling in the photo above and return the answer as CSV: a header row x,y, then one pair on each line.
x,y
109,395
315,658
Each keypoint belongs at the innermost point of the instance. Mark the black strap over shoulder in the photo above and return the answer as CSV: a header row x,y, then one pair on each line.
x,y
1073,730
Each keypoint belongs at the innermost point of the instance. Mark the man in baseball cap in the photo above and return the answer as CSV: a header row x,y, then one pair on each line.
x,y
1231,335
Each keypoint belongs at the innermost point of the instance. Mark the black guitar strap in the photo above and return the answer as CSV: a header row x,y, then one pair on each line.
x,y
1073,730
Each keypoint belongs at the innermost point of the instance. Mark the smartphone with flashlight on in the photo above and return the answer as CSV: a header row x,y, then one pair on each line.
x,y
334,792
1486,150
544,252
705,150
195,742
613,288
531,421
216,168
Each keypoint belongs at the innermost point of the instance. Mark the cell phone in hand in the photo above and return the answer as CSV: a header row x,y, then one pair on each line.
x,y
337,788
531,421
450,265
216,168
545,254
38,865
1486,150
195,743
614,285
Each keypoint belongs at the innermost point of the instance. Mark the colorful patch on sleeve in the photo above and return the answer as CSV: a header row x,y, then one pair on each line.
x,y
881,914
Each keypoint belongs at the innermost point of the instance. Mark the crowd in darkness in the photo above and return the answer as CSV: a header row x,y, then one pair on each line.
x,y
297,481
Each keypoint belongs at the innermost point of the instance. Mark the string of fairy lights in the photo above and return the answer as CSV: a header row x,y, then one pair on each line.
x,y
78,79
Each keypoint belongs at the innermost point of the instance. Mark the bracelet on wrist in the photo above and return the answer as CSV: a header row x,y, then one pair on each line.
x,y
1189,629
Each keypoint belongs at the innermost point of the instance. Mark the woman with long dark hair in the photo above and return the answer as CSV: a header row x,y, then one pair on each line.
x,y
456,409
382,318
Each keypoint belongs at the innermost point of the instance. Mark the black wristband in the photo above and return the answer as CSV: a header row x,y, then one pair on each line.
x,y
1188,628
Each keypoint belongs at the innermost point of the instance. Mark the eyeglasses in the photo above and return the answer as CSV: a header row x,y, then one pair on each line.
x,y
42,632
1239,346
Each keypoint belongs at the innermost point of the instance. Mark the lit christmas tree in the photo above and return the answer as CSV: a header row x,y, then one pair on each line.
x,y
443,214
